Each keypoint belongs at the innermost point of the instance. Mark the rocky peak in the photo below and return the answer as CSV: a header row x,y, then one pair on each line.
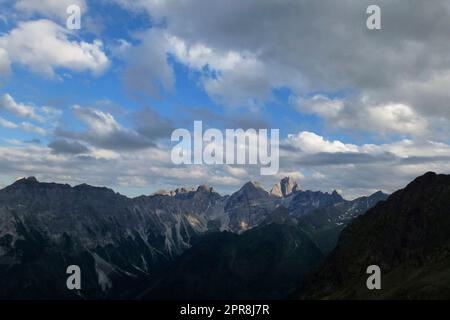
x,y
285,187
336,195
252,186
205,188
27,181
182,191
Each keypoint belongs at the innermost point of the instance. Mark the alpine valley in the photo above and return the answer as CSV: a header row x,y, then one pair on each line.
x,y
197,244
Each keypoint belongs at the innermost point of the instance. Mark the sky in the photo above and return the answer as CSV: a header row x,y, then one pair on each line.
x,y
358,110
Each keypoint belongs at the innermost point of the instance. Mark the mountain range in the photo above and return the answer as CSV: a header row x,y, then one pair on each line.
x,y
144,246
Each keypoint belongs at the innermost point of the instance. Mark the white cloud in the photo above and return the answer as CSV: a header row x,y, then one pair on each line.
x,y
101,123
396,118
309,142
29,127
105,132
8,104
7,124
198,56
361,113
320,105
231,77
43,46
25,126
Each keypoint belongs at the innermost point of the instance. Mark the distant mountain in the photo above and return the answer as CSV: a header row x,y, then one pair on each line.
x,y
326,223
249,206
120,243
305,202
407,236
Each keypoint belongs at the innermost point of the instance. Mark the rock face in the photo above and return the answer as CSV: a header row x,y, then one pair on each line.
x,y
407,236
120,242
305,202
285,187
249,206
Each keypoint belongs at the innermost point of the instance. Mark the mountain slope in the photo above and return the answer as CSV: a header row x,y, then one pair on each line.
x,y
249,206
48,226
407,236
325,224
262,263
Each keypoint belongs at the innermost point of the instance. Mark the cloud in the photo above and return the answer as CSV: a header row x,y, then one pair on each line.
x,y
7,124
397,117
148,71
360,169
223,69
320,105
228,118
5,63
360,113
105,132
29,127
246,50
309,142
48,8
62,146
151,125
25,126
43,46
355,169
8,104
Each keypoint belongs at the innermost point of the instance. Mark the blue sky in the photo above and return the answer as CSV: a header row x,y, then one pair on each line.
x,y
98,105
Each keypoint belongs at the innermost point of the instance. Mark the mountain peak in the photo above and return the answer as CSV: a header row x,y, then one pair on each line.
x,y
377,194
182,190
25,181
252,185
205,188
28,179
285,187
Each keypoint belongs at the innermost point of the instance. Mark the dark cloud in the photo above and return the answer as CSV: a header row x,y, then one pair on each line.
x,y
104,131
309,47
151,125
67,147
237,119
147,72
114,140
